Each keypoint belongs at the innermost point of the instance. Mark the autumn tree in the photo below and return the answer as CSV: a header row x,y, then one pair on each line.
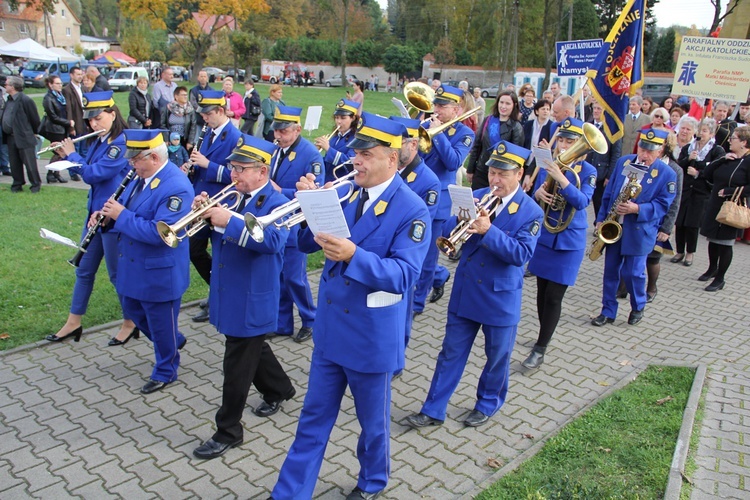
x,y
135,42
195,39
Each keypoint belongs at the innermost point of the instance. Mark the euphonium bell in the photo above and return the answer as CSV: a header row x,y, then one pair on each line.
x,y
419,96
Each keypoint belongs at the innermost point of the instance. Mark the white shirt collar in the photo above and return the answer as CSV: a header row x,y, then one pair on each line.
x,y
376,192
506,199
147,181
218,129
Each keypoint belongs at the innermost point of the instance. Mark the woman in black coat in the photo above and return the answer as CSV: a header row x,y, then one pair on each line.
x,y
693,159
140,105
56,125
500,125
727,173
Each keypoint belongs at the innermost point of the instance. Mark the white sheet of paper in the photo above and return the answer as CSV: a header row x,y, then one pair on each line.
x,y
61,165
542,155
462,202
400,106
312,120
323,212
59,239
383,299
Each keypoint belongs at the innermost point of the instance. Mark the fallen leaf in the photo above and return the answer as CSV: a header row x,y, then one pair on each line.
x,y
528,436
625,362
494,463
685,478
664,400
730,360
606,450
4,336
603,383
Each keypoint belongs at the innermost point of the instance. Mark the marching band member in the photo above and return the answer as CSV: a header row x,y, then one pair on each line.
x,y
335,150
294,158
157,274
640,217
245,296
104,168
449,150
487,293
362,313
558,256
211,173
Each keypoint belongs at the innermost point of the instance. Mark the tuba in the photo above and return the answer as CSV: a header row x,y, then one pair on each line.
x,y
611,231
591,140
419,96
459,235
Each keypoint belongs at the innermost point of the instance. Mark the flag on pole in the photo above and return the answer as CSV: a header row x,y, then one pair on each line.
x,y
617,72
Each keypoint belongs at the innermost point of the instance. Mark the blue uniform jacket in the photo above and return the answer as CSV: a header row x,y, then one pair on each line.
x,y
301,158
245,284
103,169
425,183
489,276
574,236
215,178
391,238
338,153
658,190
150,270
449,150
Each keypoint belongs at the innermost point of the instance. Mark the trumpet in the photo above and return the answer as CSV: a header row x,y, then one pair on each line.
x,y
459,235
194,221
53,147
278,217
426,135
328,137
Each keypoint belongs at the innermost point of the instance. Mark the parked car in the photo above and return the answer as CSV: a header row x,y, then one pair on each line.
x,y
125,79
490,91
241,72
5,72
34,72
178,72
215,74
454,83
255,78
335,80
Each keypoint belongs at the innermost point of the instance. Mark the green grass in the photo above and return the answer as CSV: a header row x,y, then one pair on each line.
x,y
690,466
621,448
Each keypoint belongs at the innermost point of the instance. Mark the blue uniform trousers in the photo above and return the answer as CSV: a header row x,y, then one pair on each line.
x,y
372,400
441,275
158,320
102,245
427,276
632,269
493,384
295,289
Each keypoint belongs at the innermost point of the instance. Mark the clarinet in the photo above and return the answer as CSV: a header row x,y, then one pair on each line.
x,y
86,241
197,147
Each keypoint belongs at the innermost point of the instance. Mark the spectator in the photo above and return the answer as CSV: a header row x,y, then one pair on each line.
x,y
467,104
435,84
647,106
268,107
548,96
179,117
633,123
87,84
674,118
479,102
177,153
73,93
202,85
163,92
20,121
252,107
140,105
235,103
4,165
667,103
556,90
55,126
359,95
100,83
526,104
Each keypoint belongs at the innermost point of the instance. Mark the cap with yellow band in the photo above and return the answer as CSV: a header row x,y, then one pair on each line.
x,y
412,125
374,130
508,156
140,140
96,102
251,149
571,128
286,116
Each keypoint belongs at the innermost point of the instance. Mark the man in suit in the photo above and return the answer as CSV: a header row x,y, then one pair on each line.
x,y
362,311
294,158
245,296
634,121
100,81
726,124
603,162
195,91
20,123
73,94
640,218
487,292
211,173
153,276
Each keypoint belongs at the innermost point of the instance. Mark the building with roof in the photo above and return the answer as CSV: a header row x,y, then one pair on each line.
x,y
61,29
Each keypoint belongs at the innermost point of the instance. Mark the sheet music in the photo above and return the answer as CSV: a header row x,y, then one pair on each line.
x,y
383,299
462,202
61,165
323,212
312,119
400,106
59,239
542,156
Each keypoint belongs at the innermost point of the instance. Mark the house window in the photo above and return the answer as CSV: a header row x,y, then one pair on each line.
x,y
2,25
23,28
67,32
62,12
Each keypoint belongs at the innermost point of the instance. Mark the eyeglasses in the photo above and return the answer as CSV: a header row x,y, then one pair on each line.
x,y
660,116
734,138
241,168
137,158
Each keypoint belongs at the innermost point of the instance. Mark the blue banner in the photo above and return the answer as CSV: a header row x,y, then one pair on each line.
x,y
574,58
618,70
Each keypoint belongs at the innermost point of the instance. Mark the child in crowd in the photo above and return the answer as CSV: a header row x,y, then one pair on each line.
x,y
177,153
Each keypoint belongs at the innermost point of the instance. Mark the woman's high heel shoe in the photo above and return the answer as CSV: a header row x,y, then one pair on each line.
x,y
136,333
715,286
75,333
677,258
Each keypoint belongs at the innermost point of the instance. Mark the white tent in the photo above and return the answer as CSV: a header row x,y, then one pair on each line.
x,y
3,42
29,49
65,56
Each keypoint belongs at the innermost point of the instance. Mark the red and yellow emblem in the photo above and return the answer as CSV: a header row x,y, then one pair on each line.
x,y
621,71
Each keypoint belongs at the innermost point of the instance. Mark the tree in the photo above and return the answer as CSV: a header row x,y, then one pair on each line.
x,y
135,42
400,59
464,57
718,17
664,55
444,53
365,52
585,21
196,39
609,10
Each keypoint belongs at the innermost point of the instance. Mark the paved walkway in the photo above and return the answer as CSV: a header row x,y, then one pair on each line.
x,y
74,423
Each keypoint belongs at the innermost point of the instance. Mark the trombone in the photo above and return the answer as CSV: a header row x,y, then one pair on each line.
x,y
459,235
278,217
426,135
194,221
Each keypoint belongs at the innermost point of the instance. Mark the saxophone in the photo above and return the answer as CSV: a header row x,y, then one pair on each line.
x,y
611,231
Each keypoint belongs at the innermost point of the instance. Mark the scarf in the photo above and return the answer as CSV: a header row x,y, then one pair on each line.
x,y
173,149
704,150
493,130
178,109
144,93
60,98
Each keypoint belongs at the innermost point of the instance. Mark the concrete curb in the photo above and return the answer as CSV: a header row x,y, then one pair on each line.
x,y
674,483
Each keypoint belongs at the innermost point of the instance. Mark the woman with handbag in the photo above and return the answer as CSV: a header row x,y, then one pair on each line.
x,y
140,105
55,126
727,174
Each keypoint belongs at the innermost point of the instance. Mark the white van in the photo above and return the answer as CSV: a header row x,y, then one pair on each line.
x,y
125,78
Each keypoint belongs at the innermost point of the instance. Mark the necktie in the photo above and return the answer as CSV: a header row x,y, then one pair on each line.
x,y
211,139
136,192
243,202
496,211
633,117
279,159
364,196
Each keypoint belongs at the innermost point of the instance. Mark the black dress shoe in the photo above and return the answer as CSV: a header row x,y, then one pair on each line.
x,y
51,179
707,275
153,386
75,177
358,493
213,449
437,294
677,258
265,409
182,344
601,320
687,263
136,333
421,420
621,294
60,178
203,304
635,317
303,334
76,334
476,418
535,360
650,296
715,285
202,316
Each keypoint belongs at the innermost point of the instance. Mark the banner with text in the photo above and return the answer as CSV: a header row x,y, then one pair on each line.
x,y
713,68
575,57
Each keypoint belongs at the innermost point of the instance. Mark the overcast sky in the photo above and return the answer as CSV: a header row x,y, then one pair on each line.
x,y
670,12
